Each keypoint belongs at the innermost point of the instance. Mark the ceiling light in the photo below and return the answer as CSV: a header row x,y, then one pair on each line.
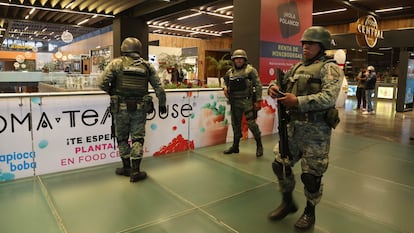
x,y
215,14
83,21
163,23
189,16
228,31
57,10
328,12
375,53
389,9
69,5
205,26
184,30
224,8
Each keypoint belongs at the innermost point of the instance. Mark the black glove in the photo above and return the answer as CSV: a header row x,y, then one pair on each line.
x,y
162,109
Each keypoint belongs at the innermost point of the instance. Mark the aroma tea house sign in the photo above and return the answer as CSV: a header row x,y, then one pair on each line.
x,y
367,31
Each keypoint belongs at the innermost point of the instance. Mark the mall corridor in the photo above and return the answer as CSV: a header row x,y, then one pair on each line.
x,y
369,187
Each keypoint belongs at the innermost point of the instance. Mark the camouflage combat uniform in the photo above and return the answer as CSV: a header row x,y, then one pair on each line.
x,y
244,89
126,80
316,86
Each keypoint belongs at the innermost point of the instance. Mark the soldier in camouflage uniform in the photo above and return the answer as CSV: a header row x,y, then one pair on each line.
x,y
311,87
244,91
126,80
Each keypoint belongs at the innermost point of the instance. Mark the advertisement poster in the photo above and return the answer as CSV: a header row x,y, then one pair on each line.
x,y
47,134
211,122
168,133
17,158
282,25
72,134
409,90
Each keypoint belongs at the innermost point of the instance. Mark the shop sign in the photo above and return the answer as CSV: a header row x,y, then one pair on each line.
x,y
368,32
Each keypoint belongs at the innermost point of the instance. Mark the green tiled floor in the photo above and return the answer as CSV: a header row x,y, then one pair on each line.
x,y
369,187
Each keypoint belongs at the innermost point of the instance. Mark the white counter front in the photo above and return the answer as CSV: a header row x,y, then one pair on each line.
x,y
50,132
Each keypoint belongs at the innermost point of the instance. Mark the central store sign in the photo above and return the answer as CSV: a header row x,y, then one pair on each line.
x,y
367,31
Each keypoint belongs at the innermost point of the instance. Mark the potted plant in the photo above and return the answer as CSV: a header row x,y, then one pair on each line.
x,y
219,65
167,61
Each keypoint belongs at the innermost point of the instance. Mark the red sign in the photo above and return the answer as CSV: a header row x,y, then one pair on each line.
x,y
282,25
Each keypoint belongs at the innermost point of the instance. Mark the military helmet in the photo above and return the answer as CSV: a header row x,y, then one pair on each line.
x,y
239,53
319,35
130,45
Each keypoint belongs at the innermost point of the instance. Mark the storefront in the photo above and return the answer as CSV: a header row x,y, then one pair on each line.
x,y
384,55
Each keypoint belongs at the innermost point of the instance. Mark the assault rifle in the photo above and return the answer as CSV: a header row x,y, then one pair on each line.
x,y
112,109
113,134
283,119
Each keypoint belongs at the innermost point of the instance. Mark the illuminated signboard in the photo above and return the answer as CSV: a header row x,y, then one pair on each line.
x,y
368,32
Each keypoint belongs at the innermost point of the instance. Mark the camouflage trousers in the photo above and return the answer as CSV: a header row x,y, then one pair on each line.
x,y
130,124
309,143
246,107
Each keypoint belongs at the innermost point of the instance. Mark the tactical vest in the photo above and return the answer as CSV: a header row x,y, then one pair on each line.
x,y
134,80
240,84
306,80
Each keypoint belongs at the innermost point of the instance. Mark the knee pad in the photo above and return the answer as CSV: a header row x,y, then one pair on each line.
x,y
278,169
312,183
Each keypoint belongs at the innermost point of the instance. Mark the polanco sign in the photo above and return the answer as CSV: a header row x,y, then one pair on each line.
x,y
368,32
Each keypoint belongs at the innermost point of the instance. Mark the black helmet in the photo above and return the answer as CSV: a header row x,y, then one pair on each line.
x,y
239,53
131,45
319,35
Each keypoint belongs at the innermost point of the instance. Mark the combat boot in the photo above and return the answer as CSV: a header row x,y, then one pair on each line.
x,y
234,148
136,174
259,147
231,150
287,206
125,170
307,220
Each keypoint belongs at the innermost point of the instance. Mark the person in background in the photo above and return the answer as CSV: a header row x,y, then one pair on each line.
x,y
360,91
126,80
370,90
311,88
67,69
244,92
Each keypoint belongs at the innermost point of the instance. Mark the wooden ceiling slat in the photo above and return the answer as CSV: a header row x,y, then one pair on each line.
x,y
75,4
66,17
15,13
40,15
126,6
102,7
58,18
50,16
53,3
76,19
84,5
64,3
